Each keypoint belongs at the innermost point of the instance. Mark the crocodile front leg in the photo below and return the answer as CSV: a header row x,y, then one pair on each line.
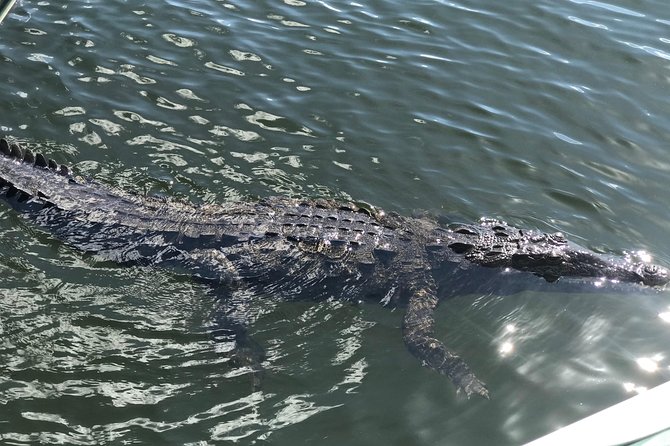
x,y
417,332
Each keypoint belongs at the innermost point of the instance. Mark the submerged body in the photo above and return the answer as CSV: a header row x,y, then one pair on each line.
x,y
300,248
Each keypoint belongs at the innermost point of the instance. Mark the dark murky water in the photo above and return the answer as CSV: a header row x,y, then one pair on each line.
x,y
548,114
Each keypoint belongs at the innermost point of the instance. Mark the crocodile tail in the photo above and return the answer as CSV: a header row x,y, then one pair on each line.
x,y
14,150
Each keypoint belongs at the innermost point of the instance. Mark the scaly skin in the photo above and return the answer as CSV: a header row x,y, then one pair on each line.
x,y
300,248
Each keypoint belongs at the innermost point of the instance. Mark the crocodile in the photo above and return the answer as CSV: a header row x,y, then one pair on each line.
x,y
303,248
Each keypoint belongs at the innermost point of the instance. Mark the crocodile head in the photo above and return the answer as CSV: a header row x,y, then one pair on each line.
x,y
551,256
495,244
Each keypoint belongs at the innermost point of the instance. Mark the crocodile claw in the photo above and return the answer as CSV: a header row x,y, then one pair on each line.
x,y
470,385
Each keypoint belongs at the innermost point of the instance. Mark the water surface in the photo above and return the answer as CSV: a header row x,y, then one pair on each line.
x,y
547,114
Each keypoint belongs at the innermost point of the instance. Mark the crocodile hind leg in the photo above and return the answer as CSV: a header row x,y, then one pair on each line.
x,y
234,311
417,332
230,322
246,352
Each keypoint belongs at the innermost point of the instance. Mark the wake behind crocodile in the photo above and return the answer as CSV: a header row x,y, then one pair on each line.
x,y
303,249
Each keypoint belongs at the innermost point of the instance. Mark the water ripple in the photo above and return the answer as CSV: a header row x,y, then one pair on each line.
x,y
548,114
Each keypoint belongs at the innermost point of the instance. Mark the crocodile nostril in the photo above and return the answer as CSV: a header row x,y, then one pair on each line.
x,y
651,269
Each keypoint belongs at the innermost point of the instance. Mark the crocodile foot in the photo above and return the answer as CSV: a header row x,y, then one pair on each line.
x,y
470,385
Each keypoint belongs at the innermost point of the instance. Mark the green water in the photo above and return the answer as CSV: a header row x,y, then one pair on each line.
x,y
547,114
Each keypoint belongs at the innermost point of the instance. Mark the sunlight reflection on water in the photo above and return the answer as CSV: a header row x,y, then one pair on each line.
x,y
550,115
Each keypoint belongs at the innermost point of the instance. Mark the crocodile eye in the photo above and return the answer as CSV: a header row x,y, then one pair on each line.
x,y
557,238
